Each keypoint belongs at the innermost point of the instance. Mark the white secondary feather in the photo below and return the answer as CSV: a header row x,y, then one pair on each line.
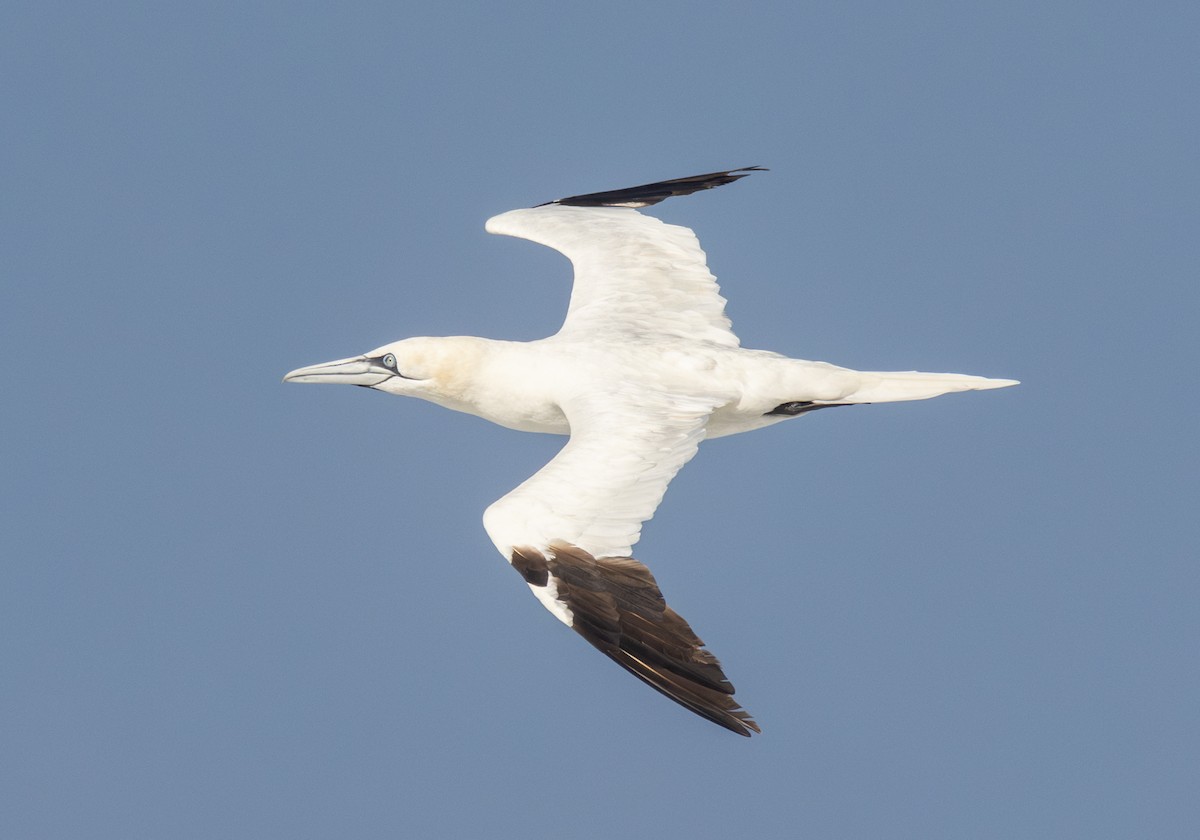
x,y
626,445
634,274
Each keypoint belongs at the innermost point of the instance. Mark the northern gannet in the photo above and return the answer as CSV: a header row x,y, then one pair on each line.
x,y
643,369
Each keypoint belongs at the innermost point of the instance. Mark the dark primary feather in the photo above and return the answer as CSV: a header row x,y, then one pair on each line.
x,y
647,194
616,605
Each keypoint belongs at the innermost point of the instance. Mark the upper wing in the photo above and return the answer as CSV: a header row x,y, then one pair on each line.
x,y
569,529
633,273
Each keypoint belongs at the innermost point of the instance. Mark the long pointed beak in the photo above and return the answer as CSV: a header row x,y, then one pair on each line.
x,y
356,371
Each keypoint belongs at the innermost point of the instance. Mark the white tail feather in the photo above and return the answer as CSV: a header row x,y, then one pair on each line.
x,y
894,386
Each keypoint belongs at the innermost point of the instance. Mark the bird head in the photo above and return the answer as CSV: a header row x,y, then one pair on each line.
x,y
412,367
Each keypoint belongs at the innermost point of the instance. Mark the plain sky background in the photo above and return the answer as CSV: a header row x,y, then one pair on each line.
x,y
231,608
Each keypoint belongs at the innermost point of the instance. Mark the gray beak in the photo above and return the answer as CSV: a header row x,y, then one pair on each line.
x,y
356,371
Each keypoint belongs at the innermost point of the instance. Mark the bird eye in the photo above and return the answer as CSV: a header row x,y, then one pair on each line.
x,y
389,361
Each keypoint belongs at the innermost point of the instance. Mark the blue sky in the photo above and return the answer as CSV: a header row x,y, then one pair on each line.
x,y
234,608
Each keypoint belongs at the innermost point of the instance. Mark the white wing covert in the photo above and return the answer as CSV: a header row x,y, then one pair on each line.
x,y
634,274
624,449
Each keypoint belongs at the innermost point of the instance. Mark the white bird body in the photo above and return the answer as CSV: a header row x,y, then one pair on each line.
x,y
523,385
644,367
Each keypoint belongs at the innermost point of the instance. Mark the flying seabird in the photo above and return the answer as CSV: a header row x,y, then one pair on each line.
x,y
643,369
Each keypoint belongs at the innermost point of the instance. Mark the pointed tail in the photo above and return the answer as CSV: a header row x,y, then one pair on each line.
x,y
894,386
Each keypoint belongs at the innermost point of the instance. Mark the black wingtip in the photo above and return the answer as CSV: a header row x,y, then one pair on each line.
x,y
615,603
647,194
